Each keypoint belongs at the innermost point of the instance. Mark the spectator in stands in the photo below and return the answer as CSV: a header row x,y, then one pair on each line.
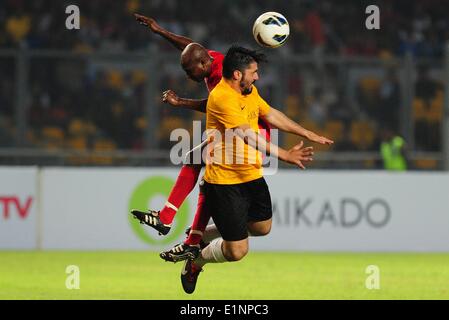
x,y
393,151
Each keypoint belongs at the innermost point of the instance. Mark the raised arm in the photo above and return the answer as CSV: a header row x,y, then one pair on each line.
x,y
180,42
279,120
172,98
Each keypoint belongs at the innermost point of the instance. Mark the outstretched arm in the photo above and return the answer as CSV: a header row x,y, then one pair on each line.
x,y
279,120
178,41
171,97
296,155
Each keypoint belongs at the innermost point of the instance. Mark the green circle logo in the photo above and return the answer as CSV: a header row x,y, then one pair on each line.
x,y
140,198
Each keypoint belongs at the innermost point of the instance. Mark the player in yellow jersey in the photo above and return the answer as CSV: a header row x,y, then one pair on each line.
x,y
236,193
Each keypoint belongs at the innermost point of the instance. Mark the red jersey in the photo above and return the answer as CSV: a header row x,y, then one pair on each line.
x,y
216,70
216,73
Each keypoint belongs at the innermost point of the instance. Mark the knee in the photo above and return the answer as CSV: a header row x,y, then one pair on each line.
x,y
236,254
261,231
265,230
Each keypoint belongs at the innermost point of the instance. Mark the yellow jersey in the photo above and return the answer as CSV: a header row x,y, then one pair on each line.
x,y
230,160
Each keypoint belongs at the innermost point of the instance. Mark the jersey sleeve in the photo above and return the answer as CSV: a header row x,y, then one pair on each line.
x,y
227,111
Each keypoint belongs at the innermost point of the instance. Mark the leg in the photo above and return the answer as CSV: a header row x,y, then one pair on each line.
x,y
229,208
255,229
211,233
217,251
186,181
190,248
235,250
260,212
232,250
161,221
259,228
200,220
200,230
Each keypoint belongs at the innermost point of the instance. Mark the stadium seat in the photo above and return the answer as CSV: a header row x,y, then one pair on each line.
x,y
292,106
91,128
362,134
77,143
52,138
419,109
168,125
370,84
115,79
140,123
77,127
31,137
53,133
81,47
311,125
369,164
426,164
334,129
435,113
385,54
132,6
138,77
198,116
103,144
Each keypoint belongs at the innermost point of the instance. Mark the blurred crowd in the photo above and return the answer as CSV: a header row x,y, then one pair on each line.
x,y
335,27
74,103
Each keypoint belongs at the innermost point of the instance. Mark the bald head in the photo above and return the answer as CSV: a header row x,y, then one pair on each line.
x,y
196,61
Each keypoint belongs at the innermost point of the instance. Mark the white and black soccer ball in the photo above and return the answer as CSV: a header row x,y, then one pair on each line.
x,y
271,29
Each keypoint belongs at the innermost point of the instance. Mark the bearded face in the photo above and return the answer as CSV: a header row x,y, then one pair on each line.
x,y
249,77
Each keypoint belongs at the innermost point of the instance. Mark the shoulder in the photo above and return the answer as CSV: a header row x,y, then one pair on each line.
x,y
221,97
255,91
215,54
221,94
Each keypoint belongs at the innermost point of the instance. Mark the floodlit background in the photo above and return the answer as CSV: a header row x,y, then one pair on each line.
x,y
84,137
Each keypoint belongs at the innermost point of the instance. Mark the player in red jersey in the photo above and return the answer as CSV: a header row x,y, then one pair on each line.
x,y
199,64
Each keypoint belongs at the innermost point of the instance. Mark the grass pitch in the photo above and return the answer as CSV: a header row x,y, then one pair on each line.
x,y
290,276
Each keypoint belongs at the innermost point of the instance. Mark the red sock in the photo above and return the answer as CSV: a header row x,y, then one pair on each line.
x,y
200,222
187,178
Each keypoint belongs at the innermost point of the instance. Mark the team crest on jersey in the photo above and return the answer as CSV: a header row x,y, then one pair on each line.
x,y
252,115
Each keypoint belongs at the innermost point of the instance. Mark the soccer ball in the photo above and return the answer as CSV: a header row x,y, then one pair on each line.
x,y
271,29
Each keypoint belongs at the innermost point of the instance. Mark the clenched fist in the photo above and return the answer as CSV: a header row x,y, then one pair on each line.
x,y
170,97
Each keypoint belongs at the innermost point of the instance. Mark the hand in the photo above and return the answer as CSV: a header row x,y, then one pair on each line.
x,y
298,154
320,139
170,97
149,22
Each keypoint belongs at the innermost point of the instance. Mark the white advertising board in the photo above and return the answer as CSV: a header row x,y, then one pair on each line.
x,y
88,208
358,211
18,208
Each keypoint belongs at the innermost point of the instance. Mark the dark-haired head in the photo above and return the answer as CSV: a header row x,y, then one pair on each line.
x,y
196,61
241,64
